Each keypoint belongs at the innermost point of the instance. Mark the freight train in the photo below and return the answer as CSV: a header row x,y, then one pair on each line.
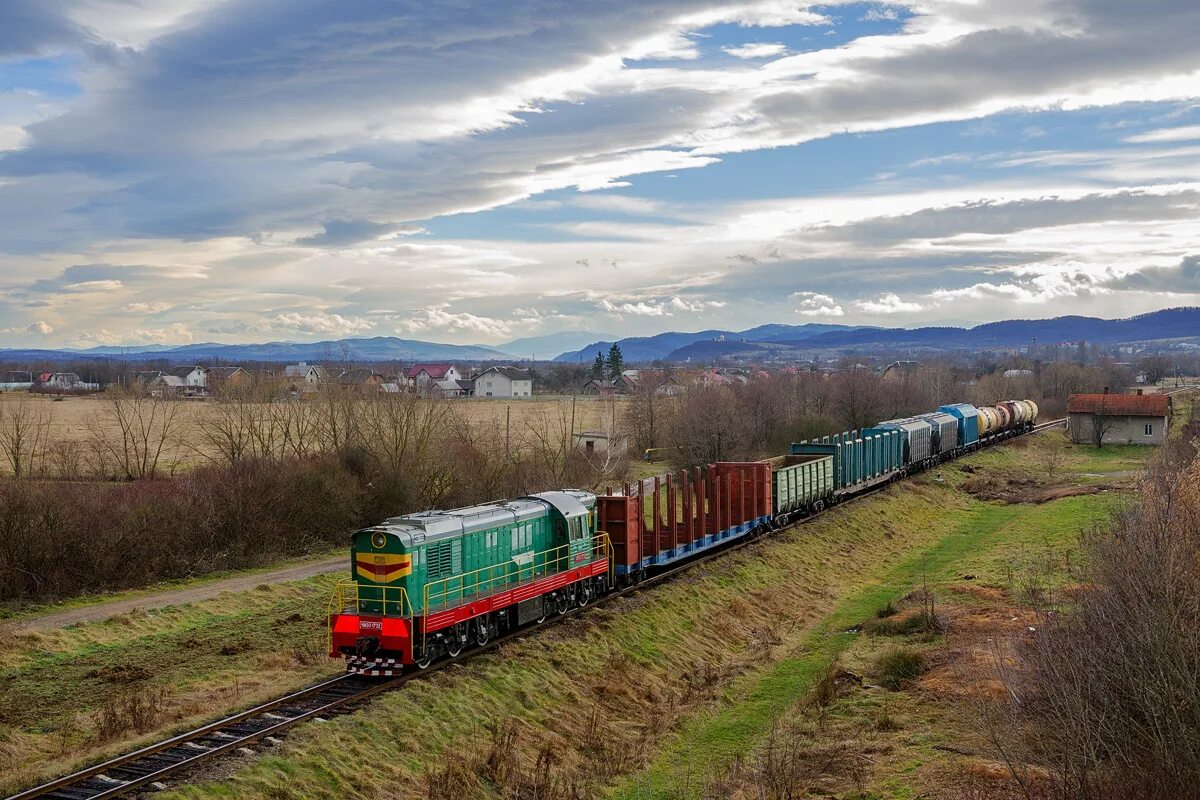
x,y
426,586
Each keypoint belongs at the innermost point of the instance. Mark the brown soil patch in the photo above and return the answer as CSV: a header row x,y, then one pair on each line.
x,y
1029,490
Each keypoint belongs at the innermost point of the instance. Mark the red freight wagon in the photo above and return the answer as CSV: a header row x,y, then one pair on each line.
x,y
665,519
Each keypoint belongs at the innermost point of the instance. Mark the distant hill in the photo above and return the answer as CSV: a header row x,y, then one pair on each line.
x,y
379,348
800,341
664,345
1171,323
545,347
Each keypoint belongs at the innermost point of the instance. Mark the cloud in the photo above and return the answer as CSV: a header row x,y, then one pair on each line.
x,y
888,303
344,232
1181,134
660,307
177,333
1182,278
880,14
440,319
251,181
756,50
41,328
811,304
321,323
146,308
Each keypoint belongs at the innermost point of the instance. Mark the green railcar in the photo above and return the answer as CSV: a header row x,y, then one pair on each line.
x,y
421,563
801,482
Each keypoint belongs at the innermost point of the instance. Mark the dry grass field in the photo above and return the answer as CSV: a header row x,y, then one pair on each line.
x,y
75,420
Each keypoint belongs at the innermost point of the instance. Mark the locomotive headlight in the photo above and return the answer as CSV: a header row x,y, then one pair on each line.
x,y
379,539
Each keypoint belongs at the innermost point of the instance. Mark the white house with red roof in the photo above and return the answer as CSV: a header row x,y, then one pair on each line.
x,y
424,377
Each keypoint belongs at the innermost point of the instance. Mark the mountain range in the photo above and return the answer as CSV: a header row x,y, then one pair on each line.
x,y
804,341
777,341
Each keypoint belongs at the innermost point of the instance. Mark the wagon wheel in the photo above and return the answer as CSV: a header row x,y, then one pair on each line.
x,y
584,595
564,601
483,632
454,643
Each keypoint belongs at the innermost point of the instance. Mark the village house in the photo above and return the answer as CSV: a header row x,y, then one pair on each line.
x,y
1118,418
308,374
504,382
166,385
445,377
219,376
599,386
361,379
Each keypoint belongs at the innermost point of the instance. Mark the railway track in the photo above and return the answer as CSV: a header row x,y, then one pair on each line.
x,y
148,768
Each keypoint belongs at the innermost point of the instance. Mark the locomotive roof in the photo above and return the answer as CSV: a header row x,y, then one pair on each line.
x,y
432,526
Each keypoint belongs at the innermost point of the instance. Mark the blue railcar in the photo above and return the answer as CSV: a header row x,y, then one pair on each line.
x,y
859,457
968,421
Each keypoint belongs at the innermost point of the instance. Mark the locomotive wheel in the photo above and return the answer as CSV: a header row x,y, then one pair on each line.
x,y
483,632
425,659
564,602
454,643
584,595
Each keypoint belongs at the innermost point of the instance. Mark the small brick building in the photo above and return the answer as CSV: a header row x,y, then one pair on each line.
x,y
1118,418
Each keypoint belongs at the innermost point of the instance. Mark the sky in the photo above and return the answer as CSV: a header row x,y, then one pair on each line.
x,y
177,171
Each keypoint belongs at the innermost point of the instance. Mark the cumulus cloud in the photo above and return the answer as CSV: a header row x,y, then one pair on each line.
x,y
888,303
812,304
660,307
319,322
440,319
1182,278
41,328
177,333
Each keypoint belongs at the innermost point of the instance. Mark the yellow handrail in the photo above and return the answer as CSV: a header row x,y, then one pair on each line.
x,y
393,601
441,593
350,596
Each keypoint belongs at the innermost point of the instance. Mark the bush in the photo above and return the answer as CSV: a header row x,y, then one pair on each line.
x,y
1111,687
58,539
897,666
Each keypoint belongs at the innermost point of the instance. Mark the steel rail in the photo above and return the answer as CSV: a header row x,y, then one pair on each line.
x,y
93,783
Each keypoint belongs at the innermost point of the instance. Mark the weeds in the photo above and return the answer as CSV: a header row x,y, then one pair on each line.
x,y
136,710
898,666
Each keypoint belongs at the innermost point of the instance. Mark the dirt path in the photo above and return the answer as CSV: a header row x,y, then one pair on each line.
x,y
174,597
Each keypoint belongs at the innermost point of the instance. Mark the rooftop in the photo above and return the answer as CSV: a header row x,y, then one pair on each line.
x,y
1142,405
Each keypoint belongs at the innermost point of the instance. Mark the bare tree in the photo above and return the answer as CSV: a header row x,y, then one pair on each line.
x,y
24,435
136,430
646,409
1053,454
857,398
1156,367
1102,422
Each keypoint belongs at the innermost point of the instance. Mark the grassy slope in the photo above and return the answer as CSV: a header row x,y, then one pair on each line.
x,y
692,673
65,694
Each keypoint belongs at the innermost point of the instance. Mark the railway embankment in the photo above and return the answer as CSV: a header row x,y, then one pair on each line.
x,y
829,653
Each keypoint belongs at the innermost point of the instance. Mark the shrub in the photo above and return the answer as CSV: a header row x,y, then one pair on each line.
x,y
1110,688
897,666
